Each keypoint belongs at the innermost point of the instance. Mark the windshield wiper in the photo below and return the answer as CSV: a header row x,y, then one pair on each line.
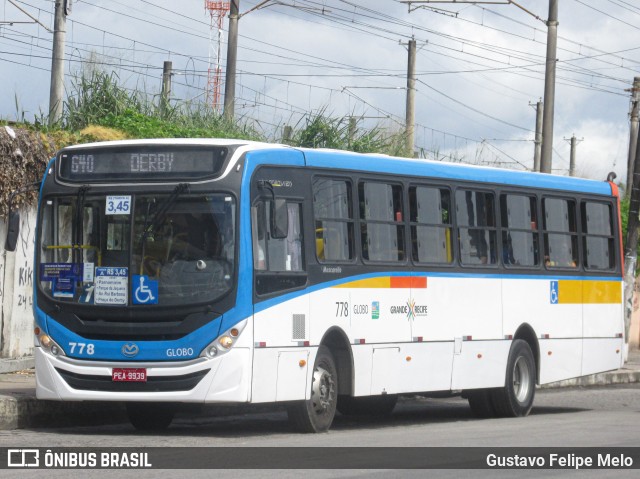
x,y
161,213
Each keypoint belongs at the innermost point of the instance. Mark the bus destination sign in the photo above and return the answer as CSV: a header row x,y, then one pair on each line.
x,y
148,163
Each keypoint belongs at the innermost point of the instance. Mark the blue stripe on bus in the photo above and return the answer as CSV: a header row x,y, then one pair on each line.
x,y
189,347
339,160
107,350
264,305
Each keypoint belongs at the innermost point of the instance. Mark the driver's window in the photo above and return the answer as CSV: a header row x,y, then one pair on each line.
x,y
275,254
279,261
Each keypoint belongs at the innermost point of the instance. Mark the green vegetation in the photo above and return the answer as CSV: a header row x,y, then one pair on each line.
x,y
99,108
624,217
98,99
324,131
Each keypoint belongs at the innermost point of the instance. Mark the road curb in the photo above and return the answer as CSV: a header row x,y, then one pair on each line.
x,y
601,379
12,365
29,412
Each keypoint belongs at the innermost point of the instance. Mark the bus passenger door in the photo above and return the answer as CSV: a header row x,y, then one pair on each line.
x,y
281,324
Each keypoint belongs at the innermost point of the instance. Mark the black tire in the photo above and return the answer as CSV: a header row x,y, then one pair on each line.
x,y
150,416
317,413
481,403
367,406
515,399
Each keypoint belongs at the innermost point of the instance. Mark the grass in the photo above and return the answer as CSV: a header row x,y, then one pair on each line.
x,y
99,108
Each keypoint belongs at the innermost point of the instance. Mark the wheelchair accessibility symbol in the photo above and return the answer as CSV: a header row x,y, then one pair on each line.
x,y
145,290
554,292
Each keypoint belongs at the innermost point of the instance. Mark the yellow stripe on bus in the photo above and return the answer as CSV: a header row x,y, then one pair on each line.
x,y
589,292
599,292
388,282
569,292
379,282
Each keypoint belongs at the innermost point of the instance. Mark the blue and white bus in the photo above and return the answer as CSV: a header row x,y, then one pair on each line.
x,y
226,271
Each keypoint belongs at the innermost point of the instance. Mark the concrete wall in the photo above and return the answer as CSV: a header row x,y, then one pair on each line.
x,y
16,290
634,330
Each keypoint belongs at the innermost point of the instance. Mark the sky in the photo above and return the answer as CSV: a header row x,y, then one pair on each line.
x,y
480,68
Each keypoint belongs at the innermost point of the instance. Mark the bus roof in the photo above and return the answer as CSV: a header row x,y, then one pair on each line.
x,y
345,160
437,169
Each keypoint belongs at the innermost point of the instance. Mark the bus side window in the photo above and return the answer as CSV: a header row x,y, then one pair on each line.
x,y
430,215
476,227
519,230
381,221
560,233
334,223
598,238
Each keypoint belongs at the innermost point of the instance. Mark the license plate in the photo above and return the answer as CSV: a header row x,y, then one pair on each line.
x,y
138,375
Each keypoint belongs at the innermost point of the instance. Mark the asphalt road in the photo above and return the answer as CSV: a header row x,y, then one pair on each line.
x,y
596,417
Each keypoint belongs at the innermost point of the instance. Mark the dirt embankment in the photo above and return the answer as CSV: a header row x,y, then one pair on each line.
x,y
24,155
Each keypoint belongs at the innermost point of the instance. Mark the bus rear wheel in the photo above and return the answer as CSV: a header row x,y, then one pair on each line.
x,y
150,416
367,406
516,397
316,414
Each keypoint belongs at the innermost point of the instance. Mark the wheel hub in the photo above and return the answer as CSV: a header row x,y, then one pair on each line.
x,y
323,390
521,380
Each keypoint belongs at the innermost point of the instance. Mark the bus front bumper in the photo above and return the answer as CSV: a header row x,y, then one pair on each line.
x,y
225,379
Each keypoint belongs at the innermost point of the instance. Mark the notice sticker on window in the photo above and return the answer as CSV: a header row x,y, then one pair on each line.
x,y
51,271
87,273
64,288
111,286
118,205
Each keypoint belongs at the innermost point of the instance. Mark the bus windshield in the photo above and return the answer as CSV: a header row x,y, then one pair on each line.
x,y
137,249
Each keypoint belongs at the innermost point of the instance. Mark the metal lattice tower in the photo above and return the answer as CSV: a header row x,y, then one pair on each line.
x,y
217,11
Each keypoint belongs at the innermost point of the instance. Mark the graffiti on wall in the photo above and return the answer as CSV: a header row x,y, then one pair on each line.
x,y
25,279
24,292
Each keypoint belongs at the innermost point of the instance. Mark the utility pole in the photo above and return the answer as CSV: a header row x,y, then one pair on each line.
x,y
549,88
232,54
352,129
166,88
631,250
633,135
57,61
287,133
538,141
411,99
572,159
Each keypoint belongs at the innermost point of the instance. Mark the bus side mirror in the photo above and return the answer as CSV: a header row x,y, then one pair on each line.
x,y
279,219
13,231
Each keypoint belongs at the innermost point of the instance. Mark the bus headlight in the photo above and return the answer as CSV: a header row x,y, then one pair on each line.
x,y
211,352
224,342
49,345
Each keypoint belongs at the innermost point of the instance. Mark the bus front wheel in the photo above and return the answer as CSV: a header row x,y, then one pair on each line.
x,y
516,397
316,414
